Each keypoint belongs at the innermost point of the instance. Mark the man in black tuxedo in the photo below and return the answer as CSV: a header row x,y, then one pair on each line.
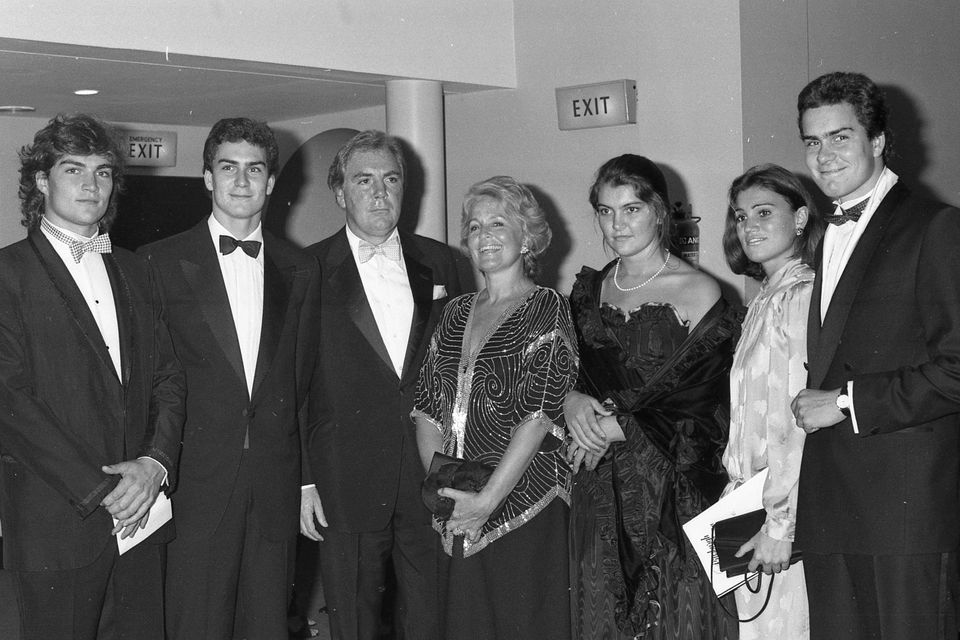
x,y
92,398
239,302
382,292
878,502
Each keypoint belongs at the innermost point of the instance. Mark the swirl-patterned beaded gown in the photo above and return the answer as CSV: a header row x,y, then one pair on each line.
x,y
520,371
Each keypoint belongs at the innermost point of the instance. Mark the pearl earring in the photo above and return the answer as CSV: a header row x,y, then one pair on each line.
x,y
524,249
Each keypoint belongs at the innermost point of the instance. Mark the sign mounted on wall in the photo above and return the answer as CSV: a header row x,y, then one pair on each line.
x,y
603,104
149,148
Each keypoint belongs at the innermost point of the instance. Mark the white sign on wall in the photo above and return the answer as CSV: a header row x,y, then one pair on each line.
x,y
150,148
603,104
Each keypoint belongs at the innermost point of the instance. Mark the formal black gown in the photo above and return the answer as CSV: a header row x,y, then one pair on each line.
x,y
633,572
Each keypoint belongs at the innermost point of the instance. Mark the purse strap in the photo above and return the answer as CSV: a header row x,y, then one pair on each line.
x,y
749,588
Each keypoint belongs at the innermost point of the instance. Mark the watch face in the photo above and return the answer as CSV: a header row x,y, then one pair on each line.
x,y
843,401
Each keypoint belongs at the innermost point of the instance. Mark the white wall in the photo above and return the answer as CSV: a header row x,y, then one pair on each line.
x,y
685,57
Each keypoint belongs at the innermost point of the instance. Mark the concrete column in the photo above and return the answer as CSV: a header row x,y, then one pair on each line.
x,y
415,114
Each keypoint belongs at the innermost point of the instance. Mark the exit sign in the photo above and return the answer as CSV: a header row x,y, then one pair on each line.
x,y
604,104
150,148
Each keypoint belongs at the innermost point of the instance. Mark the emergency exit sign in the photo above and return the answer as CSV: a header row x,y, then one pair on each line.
x,y
150,148
604,104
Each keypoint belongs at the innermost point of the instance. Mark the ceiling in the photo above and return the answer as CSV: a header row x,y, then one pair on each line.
x,y
151,87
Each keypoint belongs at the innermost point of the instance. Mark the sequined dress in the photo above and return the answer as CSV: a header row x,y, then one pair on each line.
x,y
511,583
633,574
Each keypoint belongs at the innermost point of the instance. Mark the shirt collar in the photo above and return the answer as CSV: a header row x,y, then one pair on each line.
x,y
354,240
217,230
71,234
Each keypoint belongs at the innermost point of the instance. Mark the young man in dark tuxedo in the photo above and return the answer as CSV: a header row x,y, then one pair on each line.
x,y
239,302
878,509
92,397
382,292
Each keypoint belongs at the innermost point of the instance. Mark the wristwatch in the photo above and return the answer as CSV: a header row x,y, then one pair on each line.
x,y
843,401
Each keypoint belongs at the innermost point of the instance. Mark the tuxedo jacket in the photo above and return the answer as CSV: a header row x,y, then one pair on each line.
x,y
893,328
362,447
221,414
64,409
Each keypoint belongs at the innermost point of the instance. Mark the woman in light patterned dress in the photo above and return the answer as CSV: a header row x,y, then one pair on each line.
x,y
771,233
491,389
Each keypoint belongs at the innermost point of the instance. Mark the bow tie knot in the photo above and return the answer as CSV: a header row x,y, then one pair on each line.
x,y
850,214
389,249
97,244
229,244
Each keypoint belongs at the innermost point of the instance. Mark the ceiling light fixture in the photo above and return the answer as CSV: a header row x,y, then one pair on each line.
x,y
16,108
86,92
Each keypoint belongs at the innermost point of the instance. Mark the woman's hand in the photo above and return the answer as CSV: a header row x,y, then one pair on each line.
x,y
470,513
581,411
577,456
772,556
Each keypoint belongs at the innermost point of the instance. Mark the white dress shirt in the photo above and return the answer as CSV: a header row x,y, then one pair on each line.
x,y
91,277
243,279
387,287
839,241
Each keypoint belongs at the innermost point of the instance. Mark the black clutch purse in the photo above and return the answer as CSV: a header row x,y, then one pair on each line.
x,y
454,473
730,534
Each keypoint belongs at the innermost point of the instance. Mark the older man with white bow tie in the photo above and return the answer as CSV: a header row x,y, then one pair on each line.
x,y
382,293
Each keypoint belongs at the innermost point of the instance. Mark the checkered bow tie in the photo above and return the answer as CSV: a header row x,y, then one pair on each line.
x,y
851,214
389,249
98,244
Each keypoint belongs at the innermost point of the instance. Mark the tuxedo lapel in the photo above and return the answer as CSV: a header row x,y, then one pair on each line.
x,y
126,322
830,333
202,273
276,297
72,299
421,287
344,282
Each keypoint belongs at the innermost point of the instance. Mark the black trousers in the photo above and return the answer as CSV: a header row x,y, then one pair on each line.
x,y
882,597
116,597
353,569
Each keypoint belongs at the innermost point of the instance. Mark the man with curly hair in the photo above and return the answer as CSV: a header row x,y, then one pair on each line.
x,y
92,396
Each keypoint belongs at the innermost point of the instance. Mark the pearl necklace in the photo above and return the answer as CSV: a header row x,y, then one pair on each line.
x,y
616,274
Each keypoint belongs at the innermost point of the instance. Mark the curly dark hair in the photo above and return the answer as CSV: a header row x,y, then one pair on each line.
x,y
242,130
77,134
780,181
855,89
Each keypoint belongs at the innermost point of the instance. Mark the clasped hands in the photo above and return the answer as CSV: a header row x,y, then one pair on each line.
x,y
130,501
583,414
815,409
471,511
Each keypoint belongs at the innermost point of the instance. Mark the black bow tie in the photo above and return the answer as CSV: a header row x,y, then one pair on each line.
x,y
229,244
851,214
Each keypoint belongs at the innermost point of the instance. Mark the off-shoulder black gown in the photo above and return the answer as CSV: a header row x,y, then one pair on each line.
x,y
632,569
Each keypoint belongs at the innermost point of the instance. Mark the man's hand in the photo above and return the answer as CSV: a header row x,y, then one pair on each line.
x,y
311,513
815,409
136,492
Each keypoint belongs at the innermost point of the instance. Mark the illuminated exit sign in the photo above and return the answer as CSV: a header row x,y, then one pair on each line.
x,y
605,104
150,148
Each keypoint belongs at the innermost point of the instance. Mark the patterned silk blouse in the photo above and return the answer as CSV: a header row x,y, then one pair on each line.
x,y
521,371
768,371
